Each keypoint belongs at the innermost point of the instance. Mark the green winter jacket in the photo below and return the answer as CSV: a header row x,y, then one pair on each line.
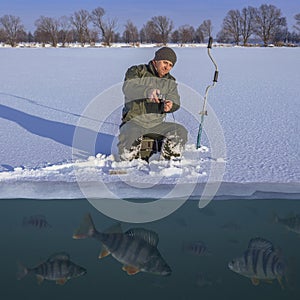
x,y
139,80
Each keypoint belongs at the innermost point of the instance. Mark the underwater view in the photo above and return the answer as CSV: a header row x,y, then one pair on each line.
x,y
230,249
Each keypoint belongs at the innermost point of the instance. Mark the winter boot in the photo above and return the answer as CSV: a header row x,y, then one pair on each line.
x,y
171,150
133,152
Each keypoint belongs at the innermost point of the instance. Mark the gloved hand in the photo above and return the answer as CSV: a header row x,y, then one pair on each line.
x,y
153,95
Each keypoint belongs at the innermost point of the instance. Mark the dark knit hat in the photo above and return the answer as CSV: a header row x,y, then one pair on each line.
x,y
166,53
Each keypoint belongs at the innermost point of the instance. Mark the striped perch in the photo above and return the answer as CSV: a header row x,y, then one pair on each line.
x,y
57,268
261,261
36,221
136,249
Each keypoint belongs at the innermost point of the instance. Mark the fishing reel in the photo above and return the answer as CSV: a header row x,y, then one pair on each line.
x,y
161,104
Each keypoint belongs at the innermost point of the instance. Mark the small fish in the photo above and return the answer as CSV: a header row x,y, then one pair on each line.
x,y
57,267
136,249
198,248
261,261
36,221
291,223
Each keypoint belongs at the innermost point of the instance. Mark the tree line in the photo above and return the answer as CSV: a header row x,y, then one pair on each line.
x,y
264,24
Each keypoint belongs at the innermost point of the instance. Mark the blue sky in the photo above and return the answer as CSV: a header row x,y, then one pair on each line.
x,y
181,12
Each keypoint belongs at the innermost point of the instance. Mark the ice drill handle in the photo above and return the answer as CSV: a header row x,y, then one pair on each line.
x,y
210,41
216,76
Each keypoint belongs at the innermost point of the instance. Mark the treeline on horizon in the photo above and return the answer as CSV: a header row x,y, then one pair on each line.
x,y
264,25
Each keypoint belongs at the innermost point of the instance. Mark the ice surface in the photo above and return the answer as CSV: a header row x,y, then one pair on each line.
x,y
50,97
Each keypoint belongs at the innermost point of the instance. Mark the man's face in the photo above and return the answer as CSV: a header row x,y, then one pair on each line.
x,y
163,67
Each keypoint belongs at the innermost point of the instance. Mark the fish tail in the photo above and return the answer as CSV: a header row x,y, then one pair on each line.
x,y
86,228
22,271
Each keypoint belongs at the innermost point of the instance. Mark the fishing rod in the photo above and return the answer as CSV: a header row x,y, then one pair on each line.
x,y
203,113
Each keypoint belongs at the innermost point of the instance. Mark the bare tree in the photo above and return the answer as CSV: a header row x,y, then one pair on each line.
x,y
40,37
97,20
222,37
65,33
48,28
29,37
142,35
80,20
247,23
175,38
199,36
110,28
148,33
107,28
2,35
206,28
294,37
163,26
94,36
232,25
268,22
130,34
297,26
186,34
13,29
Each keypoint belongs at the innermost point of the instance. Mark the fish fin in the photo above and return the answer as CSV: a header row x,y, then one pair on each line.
x,y
104,252
86,228
40,279
259,243
61,281
22,271
59,256
130,270
149,236
255,281
279,278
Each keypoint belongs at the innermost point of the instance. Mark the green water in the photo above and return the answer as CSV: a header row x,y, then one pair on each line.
x,y
225,226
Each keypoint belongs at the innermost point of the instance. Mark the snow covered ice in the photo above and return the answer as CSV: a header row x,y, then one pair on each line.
x,y
46,94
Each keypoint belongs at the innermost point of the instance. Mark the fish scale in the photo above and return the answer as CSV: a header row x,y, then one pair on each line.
x,y
136,249
260,261
58,268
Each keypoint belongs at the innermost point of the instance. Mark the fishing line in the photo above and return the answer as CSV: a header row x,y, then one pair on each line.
x,y
34,102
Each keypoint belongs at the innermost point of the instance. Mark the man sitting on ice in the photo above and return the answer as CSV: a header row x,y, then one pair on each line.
x,y
151,93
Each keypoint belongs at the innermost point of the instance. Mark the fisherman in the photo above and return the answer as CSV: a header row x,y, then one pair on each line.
x,y
150,93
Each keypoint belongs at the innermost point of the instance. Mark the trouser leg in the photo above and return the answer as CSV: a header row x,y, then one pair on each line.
x,y
174,135
129,133
172,131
